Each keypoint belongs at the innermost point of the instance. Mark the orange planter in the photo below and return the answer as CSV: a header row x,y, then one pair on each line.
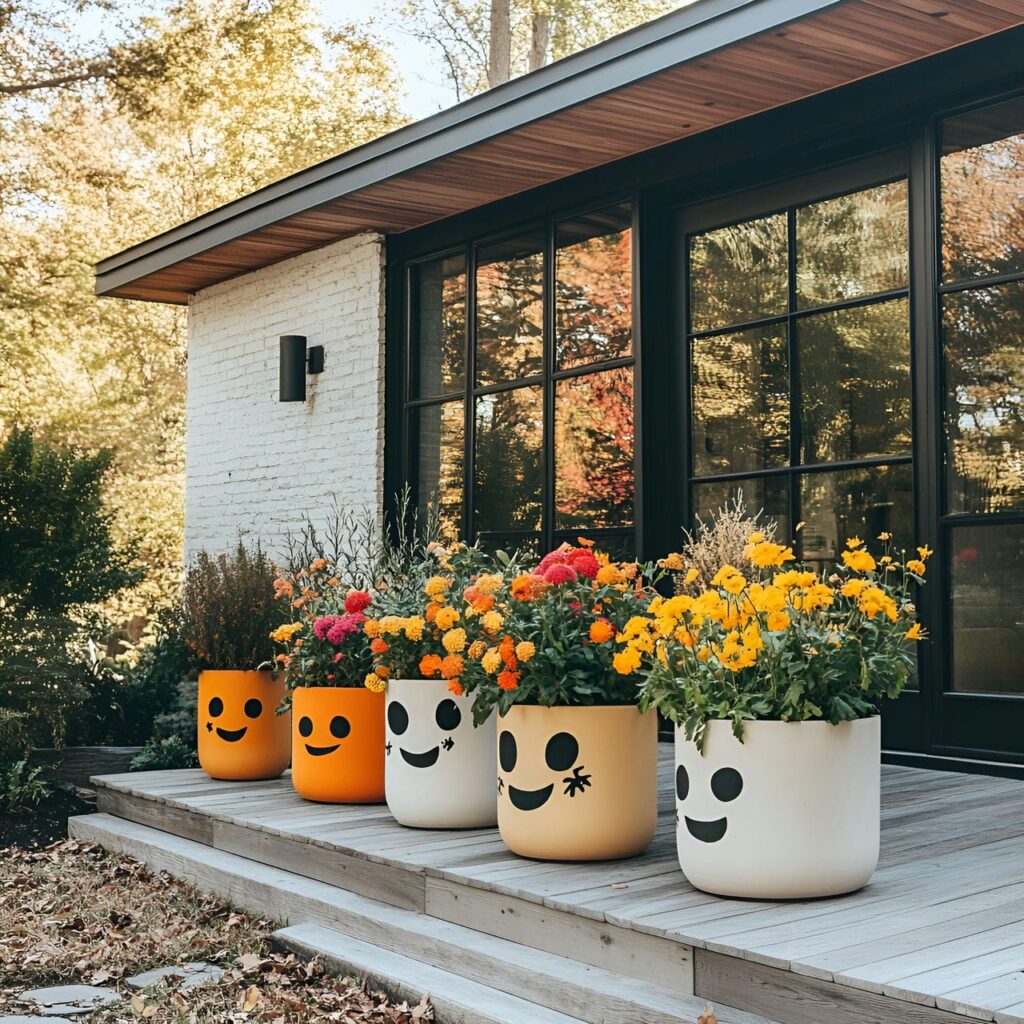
x,y
241,736
338,744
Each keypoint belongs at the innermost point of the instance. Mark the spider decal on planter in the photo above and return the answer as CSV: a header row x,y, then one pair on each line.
x,y
561,753
726,785
437,764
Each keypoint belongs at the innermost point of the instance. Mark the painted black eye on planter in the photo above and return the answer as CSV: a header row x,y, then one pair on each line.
x,y
398,718
253,708
216,707
507,751
682,782
340,727
561,752
305,726
727,784
448,715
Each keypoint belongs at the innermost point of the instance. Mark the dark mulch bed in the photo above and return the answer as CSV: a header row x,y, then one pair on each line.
x,y
44,824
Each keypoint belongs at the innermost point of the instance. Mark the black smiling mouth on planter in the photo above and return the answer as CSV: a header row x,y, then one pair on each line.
x,y
232,735
321,751
706,831
529,799
424,760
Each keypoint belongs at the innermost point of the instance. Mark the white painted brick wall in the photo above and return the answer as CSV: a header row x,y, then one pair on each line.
x,y
257,465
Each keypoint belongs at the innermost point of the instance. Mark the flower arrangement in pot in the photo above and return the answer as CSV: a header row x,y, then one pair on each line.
x,y
228,612
773,673
439,762
337,713
577,761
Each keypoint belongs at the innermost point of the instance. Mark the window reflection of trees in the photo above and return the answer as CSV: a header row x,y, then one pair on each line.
x,y
439,430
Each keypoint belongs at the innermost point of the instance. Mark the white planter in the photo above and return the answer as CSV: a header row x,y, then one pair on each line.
x,y
792,812
439,769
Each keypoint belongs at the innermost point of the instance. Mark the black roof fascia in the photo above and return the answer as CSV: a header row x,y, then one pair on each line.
x,y
632,56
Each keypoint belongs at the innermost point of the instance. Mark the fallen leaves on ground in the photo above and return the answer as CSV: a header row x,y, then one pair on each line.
x,y
73,914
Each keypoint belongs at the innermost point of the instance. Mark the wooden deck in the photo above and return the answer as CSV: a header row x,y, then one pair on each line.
x,y
937,936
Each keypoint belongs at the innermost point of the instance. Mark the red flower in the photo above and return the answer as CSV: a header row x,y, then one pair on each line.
x,y
552,558
357,601
508,680
560,573
583,562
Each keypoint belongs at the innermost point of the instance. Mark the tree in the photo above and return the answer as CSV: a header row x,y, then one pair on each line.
x,y
209,101
471,36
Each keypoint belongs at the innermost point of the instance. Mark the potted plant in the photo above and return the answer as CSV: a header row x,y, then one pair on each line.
x,y
228,613
773,674
337,712
577,761
439,762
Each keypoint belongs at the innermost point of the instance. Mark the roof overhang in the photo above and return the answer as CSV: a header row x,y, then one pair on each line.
x,y
696,69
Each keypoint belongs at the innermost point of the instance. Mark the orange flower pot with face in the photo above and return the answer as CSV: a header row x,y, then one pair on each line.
x,y
338,744
241,735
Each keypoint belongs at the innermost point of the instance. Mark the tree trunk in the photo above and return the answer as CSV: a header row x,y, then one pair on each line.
x,y
500,55
540,39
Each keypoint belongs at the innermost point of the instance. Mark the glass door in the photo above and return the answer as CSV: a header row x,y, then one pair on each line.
x,y
797,321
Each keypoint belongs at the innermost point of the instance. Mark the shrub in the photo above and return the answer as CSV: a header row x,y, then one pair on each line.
x,y
228,609
22,787
170,752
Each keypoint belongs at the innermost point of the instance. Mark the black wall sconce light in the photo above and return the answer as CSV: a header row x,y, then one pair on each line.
x,y
295,363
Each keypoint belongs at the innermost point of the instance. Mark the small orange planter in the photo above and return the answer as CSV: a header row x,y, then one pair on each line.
x,y
241,735
338,744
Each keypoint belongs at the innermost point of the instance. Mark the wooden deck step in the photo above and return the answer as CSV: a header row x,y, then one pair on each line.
x,y
354,931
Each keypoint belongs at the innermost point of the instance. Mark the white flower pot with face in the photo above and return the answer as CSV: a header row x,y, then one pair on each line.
x,y
792,812
438,769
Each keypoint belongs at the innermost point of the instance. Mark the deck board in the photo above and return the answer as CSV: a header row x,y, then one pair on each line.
x,y
941,924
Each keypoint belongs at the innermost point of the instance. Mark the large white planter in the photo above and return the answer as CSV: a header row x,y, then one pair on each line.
x,y
439,769
792,812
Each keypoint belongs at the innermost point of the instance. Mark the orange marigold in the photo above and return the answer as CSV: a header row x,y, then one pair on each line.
x,y
451,666
432,609
522,588
508,680
454,686
430,665
477,649
601,631
378,645
383,671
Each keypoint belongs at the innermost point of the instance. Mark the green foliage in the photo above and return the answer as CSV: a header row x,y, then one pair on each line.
x,y
14,736
22,787
170,752
56,546
229,610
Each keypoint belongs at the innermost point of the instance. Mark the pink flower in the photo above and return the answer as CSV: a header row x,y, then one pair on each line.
x,y
583,562
337,657
559,573
344,626
357,601
323,625
552,558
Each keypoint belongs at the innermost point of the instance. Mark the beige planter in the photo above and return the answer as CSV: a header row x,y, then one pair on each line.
x,y
792,812
577,783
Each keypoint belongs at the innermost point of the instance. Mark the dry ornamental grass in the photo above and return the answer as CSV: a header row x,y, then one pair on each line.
x,y
73,914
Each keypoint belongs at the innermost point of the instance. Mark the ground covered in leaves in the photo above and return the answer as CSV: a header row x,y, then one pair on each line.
x,y
73,914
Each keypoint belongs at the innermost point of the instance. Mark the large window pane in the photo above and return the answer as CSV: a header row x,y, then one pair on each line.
x,y
508,471
439,323
437,433
983,191
738,273
987,573
855,382
768,494
594,287
510,309
852,246
740,401
856,503
594,450
983,334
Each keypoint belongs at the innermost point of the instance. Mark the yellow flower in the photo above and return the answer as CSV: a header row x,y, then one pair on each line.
x,y
859,561
492,622
874,601
916,567
704,654
454,641
691,575
436,587
724,573
477,649
414,628
374,682
488,583
627,661
794,578
525,650
609,575
854,542
491,661
734,584
925,552
915,632
447,617
755,538
371,627
283,634
853,588
674,562
766,554
885,536
777,621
